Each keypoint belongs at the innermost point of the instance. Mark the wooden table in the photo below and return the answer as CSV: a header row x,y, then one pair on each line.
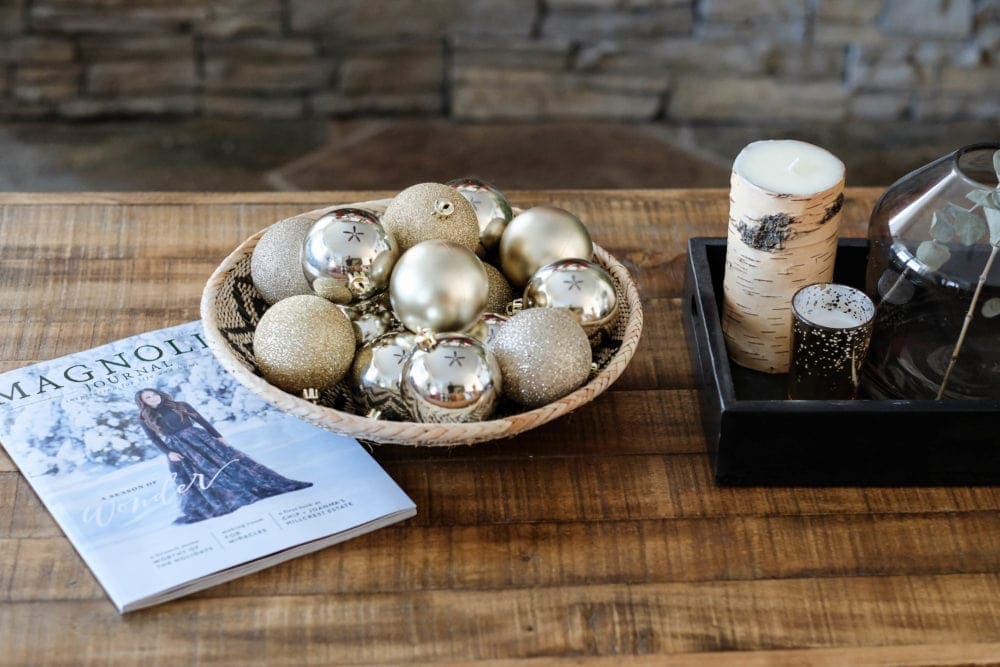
x,y
599,536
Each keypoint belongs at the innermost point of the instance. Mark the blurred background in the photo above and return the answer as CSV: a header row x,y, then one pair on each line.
x,y
342,94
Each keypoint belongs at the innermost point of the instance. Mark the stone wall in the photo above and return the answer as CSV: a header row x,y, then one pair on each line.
x,y
683,60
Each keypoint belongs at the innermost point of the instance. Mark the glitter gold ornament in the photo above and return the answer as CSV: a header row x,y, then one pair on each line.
x,y
438,286
347,256
543,355
582,287
303,342
501,293
492,210
431,211
539,236
456,379
275,267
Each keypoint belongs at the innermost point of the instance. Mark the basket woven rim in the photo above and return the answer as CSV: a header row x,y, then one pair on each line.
x,y
415,433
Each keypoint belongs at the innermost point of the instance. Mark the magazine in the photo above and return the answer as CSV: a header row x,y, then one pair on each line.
x,y
169,477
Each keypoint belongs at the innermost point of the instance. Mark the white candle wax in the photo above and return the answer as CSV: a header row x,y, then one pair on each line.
x,y
831,319
790,167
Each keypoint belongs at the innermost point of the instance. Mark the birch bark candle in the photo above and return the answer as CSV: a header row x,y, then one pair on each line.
x,y
784,215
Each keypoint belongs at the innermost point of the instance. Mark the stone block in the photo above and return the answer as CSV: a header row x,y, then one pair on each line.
x,y
133,78
889,67
987,12
114,48
880,106
843,34
265,65
261,49
664,56
848,11
335,103
526,95
115,16
655,21
546,54
983,80
38,49
46,84
511,18
372,19
795,61
938,108
229,18
12,14
237,106
757,99
790,31
132,105
927,18
393,70
752,10
250,77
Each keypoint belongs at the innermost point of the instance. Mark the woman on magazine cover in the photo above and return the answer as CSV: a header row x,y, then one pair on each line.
x,y
212,477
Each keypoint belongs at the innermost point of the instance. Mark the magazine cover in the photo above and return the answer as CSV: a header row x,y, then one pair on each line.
x,y
168,476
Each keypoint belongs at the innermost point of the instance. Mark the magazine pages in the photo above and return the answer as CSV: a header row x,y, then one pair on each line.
x,y
169,477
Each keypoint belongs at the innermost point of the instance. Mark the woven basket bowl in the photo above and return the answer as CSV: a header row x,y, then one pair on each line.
x,y
231,307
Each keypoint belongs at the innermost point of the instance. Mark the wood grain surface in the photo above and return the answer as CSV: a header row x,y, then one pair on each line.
x,y
598,538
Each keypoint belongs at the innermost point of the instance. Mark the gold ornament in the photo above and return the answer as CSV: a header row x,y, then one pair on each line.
x,y
543,355
303,342
539,236
501,293
275,266
438,286
583,287
431,211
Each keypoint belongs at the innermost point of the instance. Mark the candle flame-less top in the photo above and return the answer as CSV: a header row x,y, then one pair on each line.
x,y
791,167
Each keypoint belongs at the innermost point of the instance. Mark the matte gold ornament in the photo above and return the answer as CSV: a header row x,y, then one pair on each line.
x,y
303,342
543,355
539,236
501,293
438,286
347,256
275,267
377,374
429,211
454,380
582,287
492,211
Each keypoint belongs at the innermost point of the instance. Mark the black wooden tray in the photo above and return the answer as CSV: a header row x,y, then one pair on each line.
x,y
756,436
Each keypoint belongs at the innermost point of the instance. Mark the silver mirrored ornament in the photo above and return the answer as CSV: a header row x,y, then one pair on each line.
x,y
347,256
486,327
582,287
371,318
377,374
492,210
455,379
539,236
438,286
543,355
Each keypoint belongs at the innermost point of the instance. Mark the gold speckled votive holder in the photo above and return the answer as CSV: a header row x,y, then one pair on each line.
x,y
831,328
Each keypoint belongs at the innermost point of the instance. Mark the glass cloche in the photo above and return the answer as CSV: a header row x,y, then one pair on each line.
x,y
934,275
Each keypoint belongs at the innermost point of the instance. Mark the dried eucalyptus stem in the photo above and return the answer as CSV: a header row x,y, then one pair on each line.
x,y
968,320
